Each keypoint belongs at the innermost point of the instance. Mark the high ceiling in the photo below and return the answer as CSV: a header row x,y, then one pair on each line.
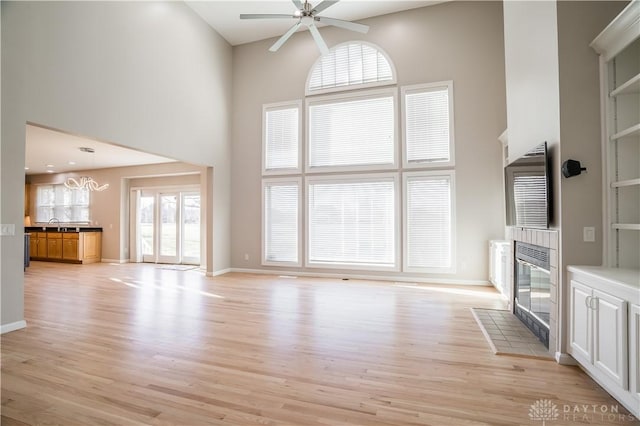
x,y
223,16
49,147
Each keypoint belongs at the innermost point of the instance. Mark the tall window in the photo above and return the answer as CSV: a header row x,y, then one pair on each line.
x,y
428,222
280,221
352,221
281,133
350,132
62,203
428,124
354,204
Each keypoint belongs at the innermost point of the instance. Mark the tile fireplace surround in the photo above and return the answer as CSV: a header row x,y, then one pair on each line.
x,y
543,238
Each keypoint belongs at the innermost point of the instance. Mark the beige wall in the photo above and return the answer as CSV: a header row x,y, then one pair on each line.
x,y
110,208
148,75
552,81
580,132
459,41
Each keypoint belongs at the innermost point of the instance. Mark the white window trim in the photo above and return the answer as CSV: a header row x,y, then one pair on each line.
x,y
283,180
53,184
372,84
275,107
405,248
362,94
356,178
418,88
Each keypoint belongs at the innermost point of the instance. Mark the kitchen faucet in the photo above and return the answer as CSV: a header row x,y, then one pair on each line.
x,y
54,219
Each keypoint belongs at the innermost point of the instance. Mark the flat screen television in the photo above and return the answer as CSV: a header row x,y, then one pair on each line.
x,y
528,189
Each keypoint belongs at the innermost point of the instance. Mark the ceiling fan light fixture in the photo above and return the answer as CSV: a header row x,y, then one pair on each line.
x,y
306,15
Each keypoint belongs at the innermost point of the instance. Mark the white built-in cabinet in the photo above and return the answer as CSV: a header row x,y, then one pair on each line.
x,y
634,352
604,322
499,254
619,49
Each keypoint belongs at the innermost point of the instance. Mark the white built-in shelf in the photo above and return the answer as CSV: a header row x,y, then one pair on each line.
x,y
628,226
631,131
631,86
622,183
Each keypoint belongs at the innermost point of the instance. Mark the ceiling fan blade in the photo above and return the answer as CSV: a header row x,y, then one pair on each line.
x,y
318,38
264,16
353,26
323,5
297,3
285,37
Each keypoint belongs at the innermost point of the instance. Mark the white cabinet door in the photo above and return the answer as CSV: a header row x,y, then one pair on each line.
x,y
610,337
580,326
634,351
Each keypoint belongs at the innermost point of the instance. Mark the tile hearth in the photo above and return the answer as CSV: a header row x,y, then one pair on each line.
x,y
506,335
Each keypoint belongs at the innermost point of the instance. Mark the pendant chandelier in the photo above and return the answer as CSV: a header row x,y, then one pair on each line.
x,y
85,182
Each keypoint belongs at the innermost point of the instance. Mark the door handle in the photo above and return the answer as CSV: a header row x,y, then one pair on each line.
x,y
591,304
587,302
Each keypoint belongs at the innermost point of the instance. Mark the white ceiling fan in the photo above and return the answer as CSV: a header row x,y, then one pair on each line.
x,y
308,15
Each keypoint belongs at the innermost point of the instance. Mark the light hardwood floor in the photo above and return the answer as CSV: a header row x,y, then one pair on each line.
x,y
139,344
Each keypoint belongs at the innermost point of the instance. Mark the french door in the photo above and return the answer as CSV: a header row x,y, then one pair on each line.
x,y
169,227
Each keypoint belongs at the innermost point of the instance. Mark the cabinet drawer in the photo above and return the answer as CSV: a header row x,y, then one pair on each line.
x,y
53,235
40,234
71,236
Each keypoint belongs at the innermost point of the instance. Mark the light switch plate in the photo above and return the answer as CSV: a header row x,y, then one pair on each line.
x,y
589,234
7,229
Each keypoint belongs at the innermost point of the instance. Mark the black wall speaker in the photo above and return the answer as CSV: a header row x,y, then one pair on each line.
x,y
572,168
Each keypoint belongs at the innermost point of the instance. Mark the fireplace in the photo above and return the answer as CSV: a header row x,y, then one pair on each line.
x,y
532,295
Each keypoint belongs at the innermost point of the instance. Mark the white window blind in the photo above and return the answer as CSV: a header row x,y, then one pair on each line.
x,y
350,64
352,223
427,124
529,194
59,202
429,222
281,221
352,133
281,138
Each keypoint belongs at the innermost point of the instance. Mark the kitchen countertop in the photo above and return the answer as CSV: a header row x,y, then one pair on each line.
x,y
62,228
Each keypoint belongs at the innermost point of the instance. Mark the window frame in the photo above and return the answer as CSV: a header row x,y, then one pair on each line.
x,y
276,106
406,176
420,88
360,86
267,181
354,178
345,97
53,186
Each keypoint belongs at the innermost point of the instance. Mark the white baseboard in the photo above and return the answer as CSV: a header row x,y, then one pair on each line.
x,y
114,260
6,328
220,272
407,279
565,359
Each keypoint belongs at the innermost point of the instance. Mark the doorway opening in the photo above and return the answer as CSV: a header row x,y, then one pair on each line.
x,y
168,226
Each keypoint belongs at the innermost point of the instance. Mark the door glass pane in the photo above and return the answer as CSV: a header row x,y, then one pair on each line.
x,y
191,226
168,216
146,225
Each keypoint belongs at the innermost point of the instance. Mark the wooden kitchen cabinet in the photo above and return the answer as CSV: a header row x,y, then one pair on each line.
x,y
70,246
38,245
54,245
92,247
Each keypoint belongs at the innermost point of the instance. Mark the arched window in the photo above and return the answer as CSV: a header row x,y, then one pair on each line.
x,y
350,65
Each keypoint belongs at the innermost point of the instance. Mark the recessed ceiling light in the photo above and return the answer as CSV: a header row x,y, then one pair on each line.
x,y
50,171
72,162
26,168
49,165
